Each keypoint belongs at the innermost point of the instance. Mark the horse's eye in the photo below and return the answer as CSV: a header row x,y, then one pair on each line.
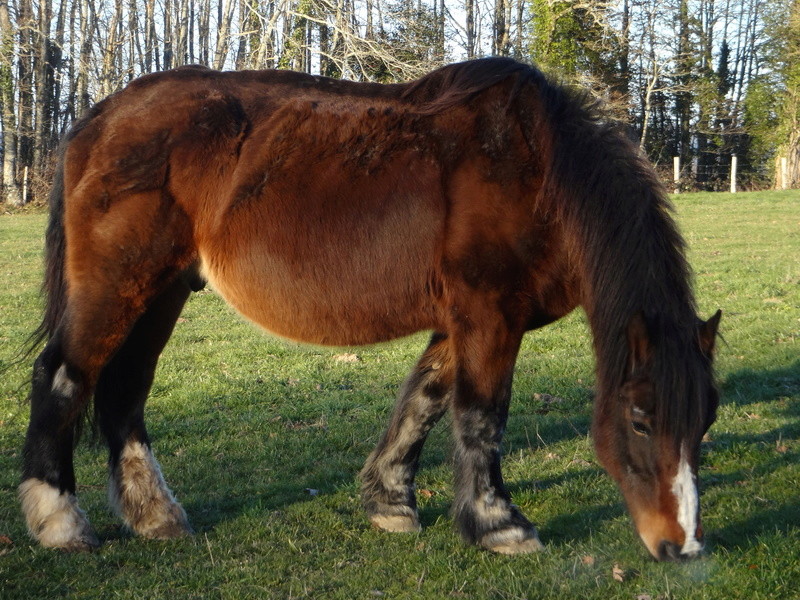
x,y
640,428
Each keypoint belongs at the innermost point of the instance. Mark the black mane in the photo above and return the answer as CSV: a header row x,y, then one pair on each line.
x,y
631,254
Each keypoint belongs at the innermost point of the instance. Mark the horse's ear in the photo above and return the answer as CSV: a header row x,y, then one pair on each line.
x,y
707,333
639,344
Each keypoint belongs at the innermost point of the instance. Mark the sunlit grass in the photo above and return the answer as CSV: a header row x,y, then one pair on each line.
x,y
244,425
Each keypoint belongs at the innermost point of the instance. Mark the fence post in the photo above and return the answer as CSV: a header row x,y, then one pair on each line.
x,y
25,185
676,168
784,173
733,174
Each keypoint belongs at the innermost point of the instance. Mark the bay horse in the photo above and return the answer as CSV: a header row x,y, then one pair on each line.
x,y
478,202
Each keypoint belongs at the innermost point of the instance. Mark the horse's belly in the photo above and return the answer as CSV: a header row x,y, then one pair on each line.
x,y
360,281
309,303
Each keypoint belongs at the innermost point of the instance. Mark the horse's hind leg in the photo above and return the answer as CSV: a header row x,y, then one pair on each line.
x,y
137,490
388,475
118,259
47,491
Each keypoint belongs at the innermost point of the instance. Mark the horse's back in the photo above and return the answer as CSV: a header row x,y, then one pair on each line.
x,y
315,210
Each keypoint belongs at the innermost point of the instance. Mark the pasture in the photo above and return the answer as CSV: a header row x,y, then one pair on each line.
x,y
261,441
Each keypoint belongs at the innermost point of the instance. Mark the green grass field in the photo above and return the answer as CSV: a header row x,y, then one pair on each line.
x,y
245,425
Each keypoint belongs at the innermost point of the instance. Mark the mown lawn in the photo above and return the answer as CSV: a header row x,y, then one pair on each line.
x,y
262,439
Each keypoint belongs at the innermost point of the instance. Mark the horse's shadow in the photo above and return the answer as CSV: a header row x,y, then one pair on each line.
x,y
746,388
741,388
750,386
209,507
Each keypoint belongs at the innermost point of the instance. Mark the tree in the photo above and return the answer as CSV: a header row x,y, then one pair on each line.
x,y
694,77
784,57
10,190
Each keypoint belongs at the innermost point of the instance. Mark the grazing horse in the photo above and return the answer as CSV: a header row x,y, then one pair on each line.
x,y
479,202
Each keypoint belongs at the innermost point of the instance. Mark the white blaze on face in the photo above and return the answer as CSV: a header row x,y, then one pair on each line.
x,y
684,486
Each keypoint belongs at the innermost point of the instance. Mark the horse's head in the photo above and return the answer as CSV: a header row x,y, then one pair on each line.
x,y
652,451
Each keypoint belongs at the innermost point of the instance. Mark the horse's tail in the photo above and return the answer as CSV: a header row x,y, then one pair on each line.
x,y
54,285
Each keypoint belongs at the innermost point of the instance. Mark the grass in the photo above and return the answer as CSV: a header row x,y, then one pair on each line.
x,y
245,425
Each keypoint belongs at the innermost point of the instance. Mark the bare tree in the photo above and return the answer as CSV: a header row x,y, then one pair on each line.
x,y
11,191
653,60
224,17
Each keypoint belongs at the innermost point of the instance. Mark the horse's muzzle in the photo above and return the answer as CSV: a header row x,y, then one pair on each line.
x,y
668,551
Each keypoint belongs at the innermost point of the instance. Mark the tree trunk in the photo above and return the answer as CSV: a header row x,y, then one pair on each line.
x,y
683,96
500,42
470,29
109,80
181,42
11,191
167,35
203,29
241,51
26,26
58,66
44,82
223,33
87,17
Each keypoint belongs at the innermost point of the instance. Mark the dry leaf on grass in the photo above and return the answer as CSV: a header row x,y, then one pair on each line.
x,y
588,560
617,573
346,358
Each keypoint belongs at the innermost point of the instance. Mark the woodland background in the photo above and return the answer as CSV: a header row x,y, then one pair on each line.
x,y
699,79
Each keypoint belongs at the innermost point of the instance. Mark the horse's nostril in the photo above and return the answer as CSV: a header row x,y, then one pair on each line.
x,y
669,551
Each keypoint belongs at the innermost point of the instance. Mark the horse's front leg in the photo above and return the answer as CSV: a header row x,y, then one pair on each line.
x,y
482,509
388,475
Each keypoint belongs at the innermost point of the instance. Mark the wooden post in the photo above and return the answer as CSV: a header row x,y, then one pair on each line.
x,y
784,173
25,185
676,168
733,174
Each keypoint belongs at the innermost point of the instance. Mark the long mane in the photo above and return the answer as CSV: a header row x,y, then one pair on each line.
x,y
624,240
631,255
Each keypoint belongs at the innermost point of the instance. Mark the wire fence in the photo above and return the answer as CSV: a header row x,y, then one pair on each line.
x,y
724,175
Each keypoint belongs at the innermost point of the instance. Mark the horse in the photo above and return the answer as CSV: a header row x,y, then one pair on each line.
x,y
478,202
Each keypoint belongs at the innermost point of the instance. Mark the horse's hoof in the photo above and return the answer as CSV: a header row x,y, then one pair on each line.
x,y
168,531
54,518
86,543
164,521
512,541
396,523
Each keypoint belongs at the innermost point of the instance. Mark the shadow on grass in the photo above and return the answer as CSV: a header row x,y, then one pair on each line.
x,y
749,386
580,525
219,502
744,533
744,388
296,460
